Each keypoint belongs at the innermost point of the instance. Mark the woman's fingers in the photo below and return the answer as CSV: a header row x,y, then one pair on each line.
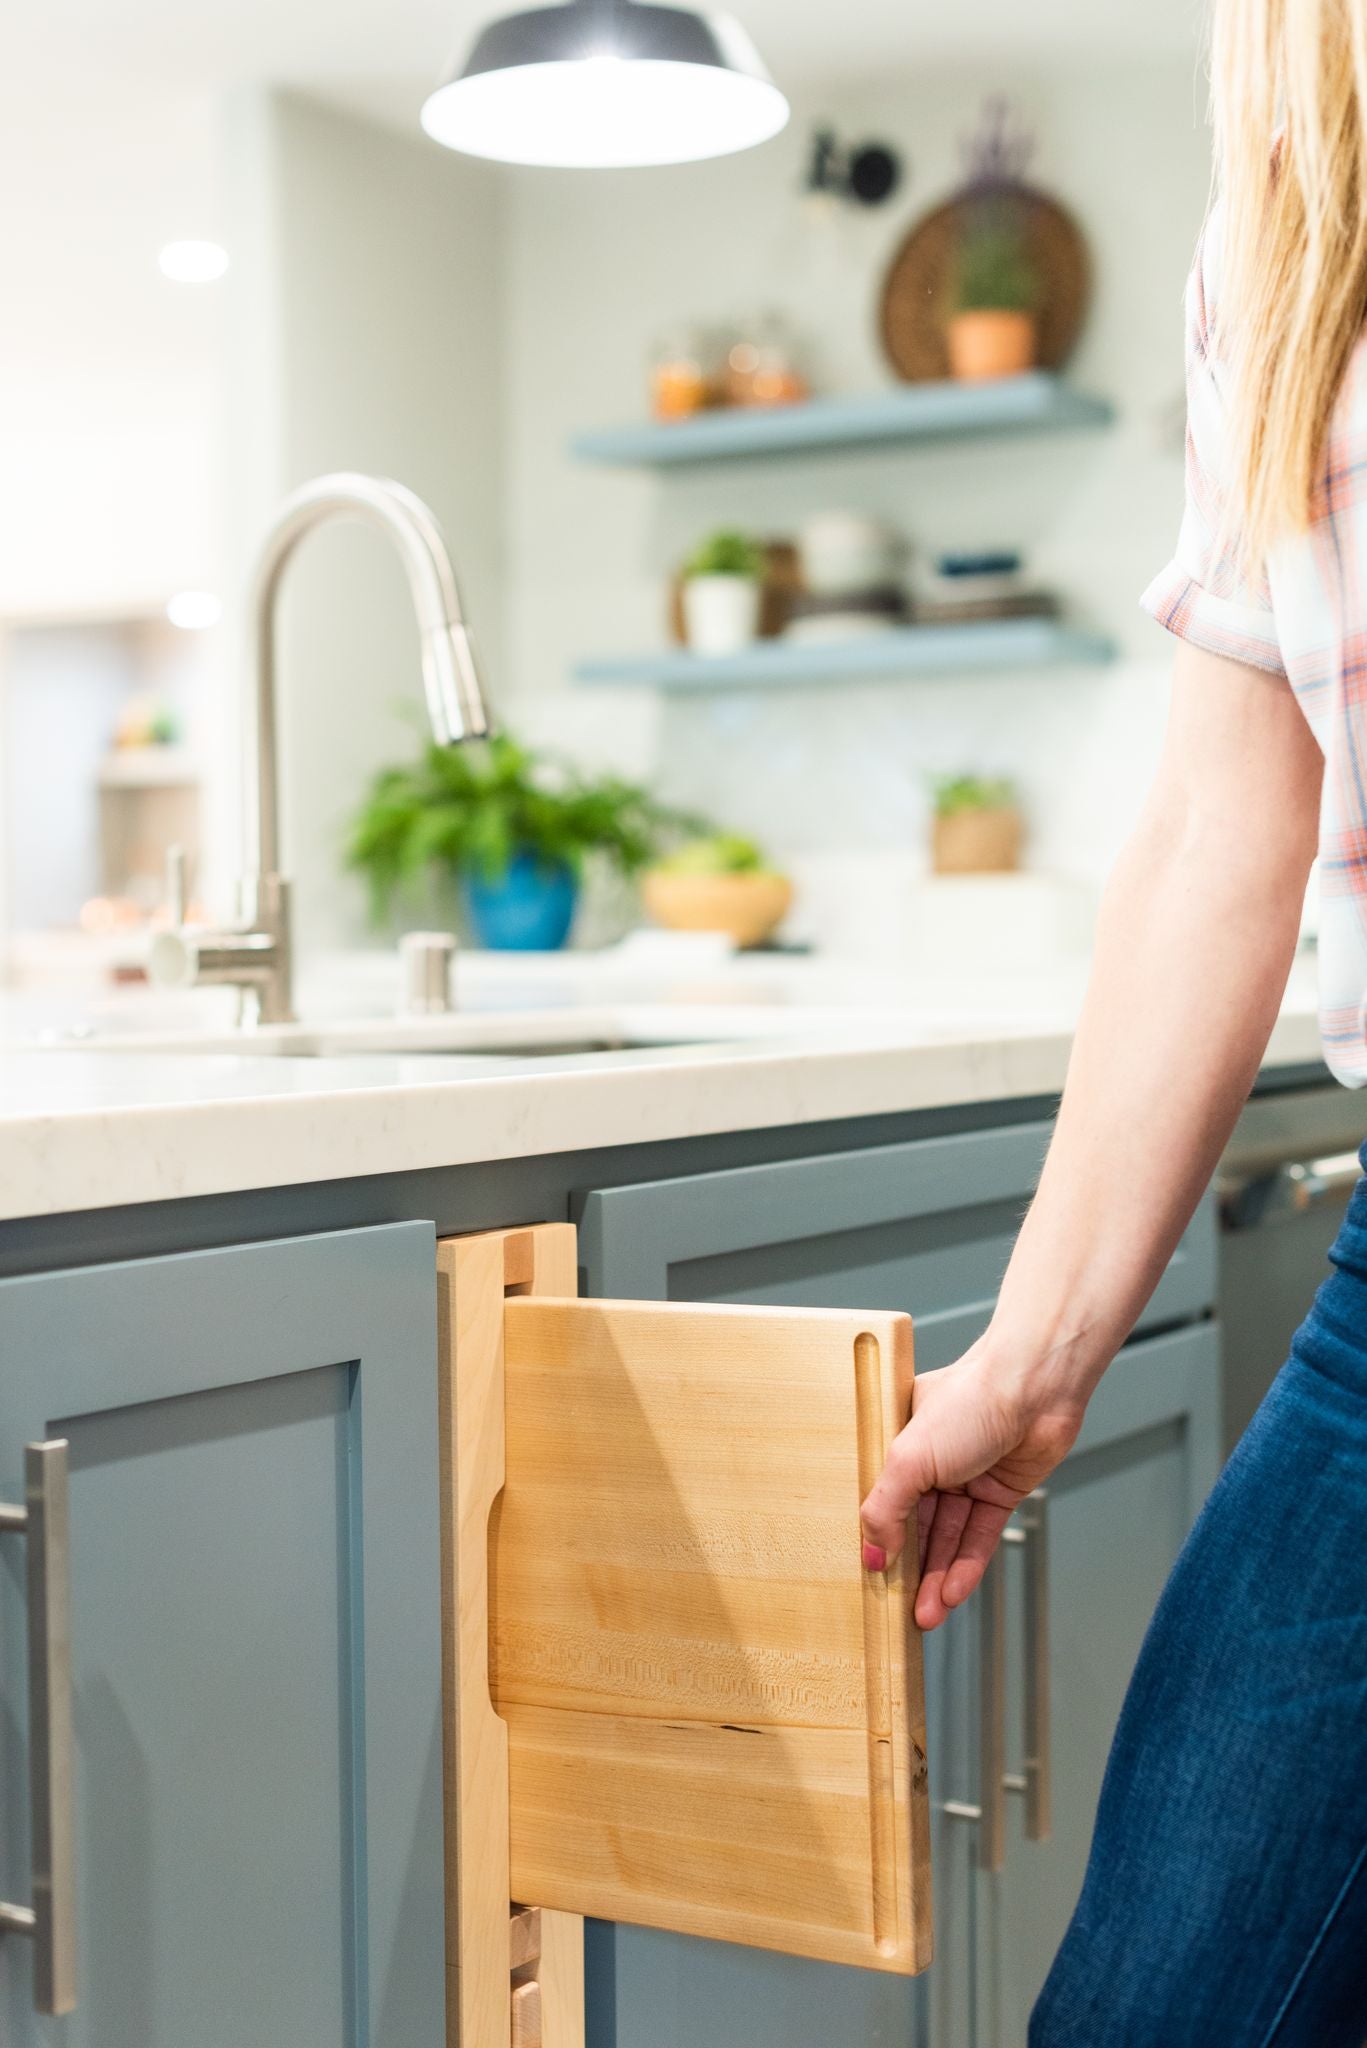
x,y
908,1473
925,1519
950,1512
978,1538
960,1537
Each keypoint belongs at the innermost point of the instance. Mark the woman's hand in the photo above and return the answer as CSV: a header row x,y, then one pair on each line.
x,y
975,1446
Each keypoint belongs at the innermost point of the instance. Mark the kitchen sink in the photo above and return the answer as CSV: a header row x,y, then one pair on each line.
x,y
535,1031
495,1034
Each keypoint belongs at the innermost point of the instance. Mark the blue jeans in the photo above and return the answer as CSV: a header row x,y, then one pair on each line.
x,y
1225,1903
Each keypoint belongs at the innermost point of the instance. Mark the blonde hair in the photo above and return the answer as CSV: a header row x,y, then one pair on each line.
x,y
1289,98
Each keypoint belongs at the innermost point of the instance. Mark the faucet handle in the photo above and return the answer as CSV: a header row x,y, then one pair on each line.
x,y
175,883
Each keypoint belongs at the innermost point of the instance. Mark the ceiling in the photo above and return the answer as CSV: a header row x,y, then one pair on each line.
x,y
378,55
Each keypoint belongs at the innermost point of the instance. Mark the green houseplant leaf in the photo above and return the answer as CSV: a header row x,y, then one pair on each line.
x,y
470,810
727,553
954,794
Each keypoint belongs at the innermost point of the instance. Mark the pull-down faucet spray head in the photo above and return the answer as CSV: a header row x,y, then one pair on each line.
x,y
456,706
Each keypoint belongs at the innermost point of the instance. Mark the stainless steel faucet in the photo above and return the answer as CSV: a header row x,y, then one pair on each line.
x,y
254,954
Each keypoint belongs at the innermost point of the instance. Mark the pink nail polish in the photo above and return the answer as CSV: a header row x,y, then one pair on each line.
x,y
875,1558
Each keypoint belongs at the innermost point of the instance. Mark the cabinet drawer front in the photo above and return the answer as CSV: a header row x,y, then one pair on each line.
x,y
922,1225
925,1225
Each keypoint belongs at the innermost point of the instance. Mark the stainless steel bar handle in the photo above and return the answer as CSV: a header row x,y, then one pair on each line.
x,y
992,1716
1035,1781
50,1921
1294,1188
988,1811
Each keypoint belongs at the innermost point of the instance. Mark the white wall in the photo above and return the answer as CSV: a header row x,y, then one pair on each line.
x,y
366,335
601,264
108,373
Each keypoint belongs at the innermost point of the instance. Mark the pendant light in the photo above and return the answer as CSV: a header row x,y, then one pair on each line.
x,y
607,83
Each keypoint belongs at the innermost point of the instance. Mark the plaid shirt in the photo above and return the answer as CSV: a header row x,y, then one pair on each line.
x,y
1302,615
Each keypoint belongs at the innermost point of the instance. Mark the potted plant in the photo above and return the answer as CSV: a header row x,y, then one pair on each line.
x,y
511,829
977,828
718,884
721,593
991,331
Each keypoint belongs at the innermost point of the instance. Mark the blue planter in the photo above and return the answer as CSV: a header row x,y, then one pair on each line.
x,y
528,910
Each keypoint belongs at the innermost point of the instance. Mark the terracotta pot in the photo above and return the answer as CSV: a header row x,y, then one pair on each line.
x,y
746,907
977,843
989,344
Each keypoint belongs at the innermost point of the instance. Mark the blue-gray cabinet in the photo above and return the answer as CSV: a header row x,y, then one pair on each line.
x,y
255,1630
926,1225
1118,1510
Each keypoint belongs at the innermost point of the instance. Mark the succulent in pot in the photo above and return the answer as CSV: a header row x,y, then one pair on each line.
x,y
977,826
511,829
718,884
722,588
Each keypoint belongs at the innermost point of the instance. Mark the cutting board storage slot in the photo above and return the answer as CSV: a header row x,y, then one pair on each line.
x,y
673,1695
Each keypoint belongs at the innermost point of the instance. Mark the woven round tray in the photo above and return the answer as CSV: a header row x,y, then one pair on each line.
x,y
916,291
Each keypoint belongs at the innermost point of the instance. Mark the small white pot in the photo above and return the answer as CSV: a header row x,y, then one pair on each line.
x,y
721,613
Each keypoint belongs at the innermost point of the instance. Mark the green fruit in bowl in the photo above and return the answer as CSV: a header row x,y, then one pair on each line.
x,y
718,884
724,853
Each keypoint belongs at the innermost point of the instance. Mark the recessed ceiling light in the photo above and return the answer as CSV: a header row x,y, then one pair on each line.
x,y
193,610
193,262
605,83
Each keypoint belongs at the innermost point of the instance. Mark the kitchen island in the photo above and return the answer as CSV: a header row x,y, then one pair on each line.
x,y
220,1288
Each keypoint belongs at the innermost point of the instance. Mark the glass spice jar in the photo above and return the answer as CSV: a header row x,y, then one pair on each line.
x,y
678,378
761,367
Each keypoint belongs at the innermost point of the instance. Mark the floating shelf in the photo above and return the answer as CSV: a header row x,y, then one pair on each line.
x,y
165,767
901,651
1035,402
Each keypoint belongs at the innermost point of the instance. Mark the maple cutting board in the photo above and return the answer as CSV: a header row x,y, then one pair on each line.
x,y
714,1715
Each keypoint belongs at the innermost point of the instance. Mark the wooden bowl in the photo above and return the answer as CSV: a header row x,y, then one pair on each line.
x,y
746,907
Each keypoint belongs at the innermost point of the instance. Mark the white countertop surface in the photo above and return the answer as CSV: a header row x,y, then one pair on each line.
x,y
120,1117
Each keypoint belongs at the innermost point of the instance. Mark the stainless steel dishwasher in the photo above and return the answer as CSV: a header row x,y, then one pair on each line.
x,y
1283,1185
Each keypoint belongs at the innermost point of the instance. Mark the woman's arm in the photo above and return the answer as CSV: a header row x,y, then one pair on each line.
x,y
1194,945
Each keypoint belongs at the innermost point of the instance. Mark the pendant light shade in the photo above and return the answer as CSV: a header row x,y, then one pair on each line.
x,y
603,83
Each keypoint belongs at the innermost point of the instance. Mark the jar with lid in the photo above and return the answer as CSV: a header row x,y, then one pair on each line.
x,y
678,376
762,366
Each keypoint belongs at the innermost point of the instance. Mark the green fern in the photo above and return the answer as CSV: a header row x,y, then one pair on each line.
x,y
470,809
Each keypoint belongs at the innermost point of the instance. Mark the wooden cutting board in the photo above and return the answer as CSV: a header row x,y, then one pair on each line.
x,y
715,1716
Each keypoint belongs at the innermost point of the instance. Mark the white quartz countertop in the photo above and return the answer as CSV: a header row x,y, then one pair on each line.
x,y
99,1106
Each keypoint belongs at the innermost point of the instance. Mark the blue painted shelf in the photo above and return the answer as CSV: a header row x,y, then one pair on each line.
x,y
904,651
1035,402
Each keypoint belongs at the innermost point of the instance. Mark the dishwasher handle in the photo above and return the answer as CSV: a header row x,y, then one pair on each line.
x,y
1295,1188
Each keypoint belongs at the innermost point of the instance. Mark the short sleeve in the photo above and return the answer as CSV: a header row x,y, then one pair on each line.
x,y
1203,595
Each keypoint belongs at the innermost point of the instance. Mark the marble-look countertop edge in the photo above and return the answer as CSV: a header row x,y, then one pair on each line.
x,y
120,1154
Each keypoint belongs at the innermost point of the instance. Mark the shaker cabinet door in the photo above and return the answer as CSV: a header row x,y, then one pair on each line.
x,y
254,1625
927,1225
1116,1513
